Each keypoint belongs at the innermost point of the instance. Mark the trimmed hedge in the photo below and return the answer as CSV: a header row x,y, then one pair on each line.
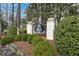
x,y
12,38
43,49
67,36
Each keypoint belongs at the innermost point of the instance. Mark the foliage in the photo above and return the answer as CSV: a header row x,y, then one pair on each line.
x,y
30,37
43,49
7,39
13,38
67,36
24,37
18,37
55,10
36,40
12,30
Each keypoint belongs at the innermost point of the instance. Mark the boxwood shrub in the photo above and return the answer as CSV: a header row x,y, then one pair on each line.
x,y
43,49
67,36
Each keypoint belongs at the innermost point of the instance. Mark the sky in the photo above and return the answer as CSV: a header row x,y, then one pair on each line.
x,y
23,7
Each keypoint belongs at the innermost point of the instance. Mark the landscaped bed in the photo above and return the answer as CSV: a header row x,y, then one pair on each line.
x,y
30,44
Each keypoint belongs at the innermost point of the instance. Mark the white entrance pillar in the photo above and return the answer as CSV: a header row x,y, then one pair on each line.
x,y
29,27
50,28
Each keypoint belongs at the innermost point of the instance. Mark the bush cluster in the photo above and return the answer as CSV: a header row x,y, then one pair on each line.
x,y
43,49
67,36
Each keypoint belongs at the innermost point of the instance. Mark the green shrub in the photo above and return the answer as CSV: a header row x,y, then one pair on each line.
x,y
12,38
43,49
18,37
24,37
36,40
7,40
67,36
12,31
30,37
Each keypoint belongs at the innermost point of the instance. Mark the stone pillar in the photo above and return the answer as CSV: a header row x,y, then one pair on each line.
x,y
50,28
29,27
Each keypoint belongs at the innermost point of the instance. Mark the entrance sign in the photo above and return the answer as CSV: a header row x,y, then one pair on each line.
x,y
39,28
50,28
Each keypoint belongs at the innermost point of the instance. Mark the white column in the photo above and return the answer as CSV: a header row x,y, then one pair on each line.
x,y
50,28
29,27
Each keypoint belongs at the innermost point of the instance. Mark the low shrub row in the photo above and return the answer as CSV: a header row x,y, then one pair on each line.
x,y
13,38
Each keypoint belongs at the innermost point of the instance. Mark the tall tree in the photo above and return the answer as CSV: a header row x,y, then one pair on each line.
x,y
56,10
12,13
6,16
18,18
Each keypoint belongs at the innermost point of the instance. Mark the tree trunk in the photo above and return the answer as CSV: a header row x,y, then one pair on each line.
x,y
12,13
18,18
7,14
